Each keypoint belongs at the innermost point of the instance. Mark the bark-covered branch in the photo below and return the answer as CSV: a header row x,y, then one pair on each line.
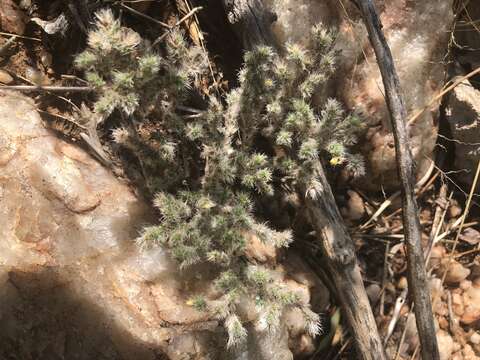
x,y
417,276
339,252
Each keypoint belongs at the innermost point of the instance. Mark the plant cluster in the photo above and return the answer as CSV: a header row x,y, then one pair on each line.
x,y
208,169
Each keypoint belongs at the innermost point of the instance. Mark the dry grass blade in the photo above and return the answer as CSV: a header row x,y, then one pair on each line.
x,y
20,36
47,88
178,23
156,21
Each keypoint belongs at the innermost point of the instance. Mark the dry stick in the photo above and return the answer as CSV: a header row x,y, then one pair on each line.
x,y
436,225
20,36
417,274
341,263
51,88
156,21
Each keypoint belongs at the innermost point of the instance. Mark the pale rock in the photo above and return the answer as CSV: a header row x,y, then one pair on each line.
x,y
465,285
454,210
471,300
463,116
402,283
306,345
417,33
443,323
5,77
457,305
373,292
468,353
411,335
73,284
475,338
445,345
456,272
355,209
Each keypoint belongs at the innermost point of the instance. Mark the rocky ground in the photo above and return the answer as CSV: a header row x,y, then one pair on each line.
x,y
74,286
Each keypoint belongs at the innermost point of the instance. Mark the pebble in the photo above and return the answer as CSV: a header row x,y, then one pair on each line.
x,y
373,292
5,77
454,210
456,272
402,283
25,4
356,206
475,338
46,59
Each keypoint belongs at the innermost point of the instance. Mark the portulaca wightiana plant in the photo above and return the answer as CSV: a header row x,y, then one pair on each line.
x,y
205,171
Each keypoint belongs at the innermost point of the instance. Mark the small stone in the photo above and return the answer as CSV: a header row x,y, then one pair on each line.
x,y
373,292
5,77
306,345
443,323
471,300
475,338
25,4
454,210
445,345
402,283
356,207
457,347
456,272
465,285
46,58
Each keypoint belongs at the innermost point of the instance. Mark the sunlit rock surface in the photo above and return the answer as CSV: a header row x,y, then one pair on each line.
x,y
417,32
72,283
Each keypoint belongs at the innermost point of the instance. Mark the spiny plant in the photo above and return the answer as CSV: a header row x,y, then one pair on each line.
x,y
144,86
207,170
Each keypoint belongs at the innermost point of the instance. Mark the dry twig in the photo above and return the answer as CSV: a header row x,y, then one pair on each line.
x,y
50,88
417,275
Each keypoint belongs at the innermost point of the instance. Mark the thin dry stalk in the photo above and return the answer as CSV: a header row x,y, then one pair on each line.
x,y
50,88
417,275
145,16
178,23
